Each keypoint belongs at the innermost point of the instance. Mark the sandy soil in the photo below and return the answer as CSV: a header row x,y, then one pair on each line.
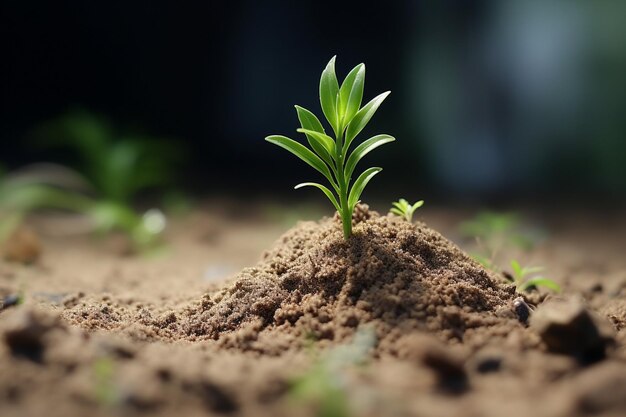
x,y
400,323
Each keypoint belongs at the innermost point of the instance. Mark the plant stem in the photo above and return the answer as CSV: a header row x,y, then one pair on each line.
x,y
345,214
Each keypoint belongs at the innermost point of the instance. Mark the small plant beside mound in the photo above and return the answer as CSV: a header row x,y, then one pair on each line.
x,y
526,278
402,208
329,156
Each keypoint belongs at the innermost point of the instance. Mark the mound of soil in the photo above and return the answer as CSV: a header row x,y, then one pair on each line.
x,y
392,276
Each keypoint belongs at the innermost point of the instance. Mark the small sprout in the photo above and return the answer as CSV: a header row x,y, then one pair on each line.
x,y
526,278
403,209
342,107
497,232
325,385
105,391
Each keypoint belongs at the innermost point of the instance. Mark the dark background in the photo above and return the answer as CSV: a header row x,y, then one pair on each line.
x,y
491,100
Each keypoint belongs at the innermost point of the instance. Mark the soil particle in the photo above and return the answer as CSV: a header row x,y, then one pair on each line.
x,y
313,283
567,326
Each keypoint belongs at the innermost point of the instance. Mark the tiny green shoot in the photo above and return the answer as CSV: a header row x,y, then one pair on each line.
x,y
526,278
325,384
105,390
330,156
496,232
402,208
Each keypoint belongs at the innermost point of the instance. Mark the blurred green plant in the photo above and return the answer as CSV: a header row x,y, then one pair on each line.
x,y
342,107
526,278
494,232
115,168
402,208
118,165
105,390
27,191
324,385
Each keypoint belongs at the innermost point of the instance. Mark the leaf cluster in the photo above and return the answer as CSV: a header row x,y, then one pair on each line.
x,y
402,208
526,278
331,156
118,164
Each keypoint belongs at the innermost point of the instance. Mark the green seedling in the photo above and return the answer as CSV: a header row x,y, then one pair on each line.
x,y
324,386
330,156
495,232
526,278
118,167
26,192
105,390
402,208
118,164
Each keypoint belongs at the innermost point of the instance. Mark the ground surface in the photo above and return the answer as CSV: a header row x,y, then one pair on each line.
x,y
399,323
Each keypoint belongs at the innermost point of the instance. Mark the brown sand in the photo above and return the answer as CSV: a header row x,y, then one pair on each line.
x,y
448,341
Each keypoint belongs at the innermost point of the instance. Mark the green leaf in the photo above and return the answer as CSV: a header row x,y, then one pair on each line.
x,y
359,185
362,150
518,271
325,190
303,153
322,139
397,211
329,89
308,120
351,94
418,204
539,282
362,117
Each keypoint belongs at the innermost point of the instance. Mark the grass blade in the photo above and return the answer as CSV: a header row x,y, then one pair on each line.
x,y
325,190
360,184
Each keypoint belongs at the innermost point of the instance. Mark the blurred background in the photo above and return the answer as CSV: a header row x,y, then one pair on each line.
x,y
518,101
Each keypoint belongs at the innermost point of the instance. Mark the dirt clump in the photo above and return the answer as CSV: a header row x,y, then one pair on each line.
x,y
395,276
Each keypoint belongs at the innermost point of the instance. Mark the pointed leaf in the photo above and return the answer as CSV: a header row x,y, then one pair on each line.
x,y
324,140
540,282
325,190
362,150
351,94
301,152
517,269
363,116
360,183
329,89
308,120
418,204
397,211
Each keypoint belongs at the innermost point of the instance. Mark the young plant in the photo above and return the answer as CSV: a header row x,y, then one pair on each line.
x,y
118,167
330,156
326,384
495,232
118,164
525,278
402,208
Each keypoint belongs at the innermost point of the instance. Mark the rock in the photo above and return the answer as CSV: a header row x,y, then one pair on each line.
x,y
567,327
22,246
25,332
